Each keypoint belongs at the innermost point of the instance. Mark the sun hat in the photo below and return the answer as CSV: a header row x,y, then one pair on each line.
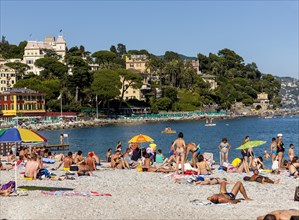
x,y
279,135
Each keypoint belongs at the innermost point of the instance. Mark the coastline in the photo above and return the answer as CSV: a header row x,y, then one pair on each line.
x,y
93,122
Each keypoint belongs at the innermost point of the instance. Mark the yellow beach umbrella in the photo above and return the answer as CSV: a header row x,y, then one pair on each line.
x,y
140,139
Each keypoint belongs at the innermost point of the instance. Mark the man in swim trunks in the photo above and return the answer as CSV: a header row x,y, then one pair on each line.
x,y
261,179
67,162
225,197
32,167
195,152
90,161
281,215
180,151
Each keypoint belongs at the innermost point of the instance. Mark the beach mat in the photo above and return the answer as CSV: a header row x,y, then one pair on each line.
x,y
46,188
74,193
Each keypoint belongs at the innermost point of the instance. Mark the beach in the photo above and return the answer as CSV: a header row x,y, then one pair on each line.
x,y
143,195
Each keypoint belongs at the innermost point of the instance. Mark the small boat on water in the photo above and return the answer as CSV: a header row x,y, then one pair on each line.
x,y
168,132
210,124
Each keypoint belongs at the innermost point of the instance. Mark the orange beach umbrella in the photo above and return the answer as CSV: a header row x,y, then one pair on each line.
x,y
140,139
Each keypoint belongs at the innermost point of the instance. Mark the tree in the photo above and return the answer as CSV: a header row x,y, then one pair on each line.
x,y
171,93
52,68
170,56
104,58
106,84
20,69
128,79
164,104
121,49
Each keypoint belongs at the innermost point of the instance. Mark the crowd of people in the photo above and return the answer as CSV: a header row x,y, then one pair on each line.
x,y
151,159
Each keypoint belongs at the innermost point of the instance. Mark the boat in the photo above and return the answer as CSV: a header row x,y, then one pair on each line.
x,y
168,132
210,124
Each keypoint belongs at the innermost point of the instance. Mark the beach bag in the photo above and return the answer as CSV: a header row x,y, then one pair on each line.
x,y
296,197
43,172
7,185
74,168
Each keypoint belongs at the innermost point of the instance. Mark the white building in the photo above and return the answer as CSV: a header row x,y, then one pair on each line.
x,y
34,50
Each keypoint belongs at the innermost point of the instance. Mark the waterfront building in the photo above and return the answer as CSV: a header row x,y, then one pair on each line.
x,y
35,50
262,101
21,102
137,62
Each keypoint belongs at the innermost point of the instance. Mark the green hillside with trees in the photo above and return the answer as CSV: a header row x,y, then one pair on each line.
x,y
182,89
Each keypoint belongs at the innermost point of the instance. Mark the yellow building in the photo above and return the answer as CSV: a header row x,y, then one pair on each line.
x,y
22,101
137,62
7,75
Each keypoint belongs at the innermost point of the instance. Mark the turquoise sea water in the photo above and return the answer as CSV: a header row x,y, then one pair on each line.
x,y
101,138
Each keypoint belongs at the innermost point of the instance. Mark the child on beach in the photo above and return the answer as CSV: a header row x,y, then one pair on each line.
x,y
108,155
159,156
291,152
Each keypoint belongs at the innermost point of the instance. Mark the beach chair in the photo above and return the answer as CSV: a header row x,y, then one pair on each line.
x,y
209,158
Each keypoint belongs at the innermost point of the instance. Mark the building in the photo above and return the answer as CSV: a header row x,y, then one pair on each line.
x,y
137,62
35,50
210,80
21,102
262,101
7,75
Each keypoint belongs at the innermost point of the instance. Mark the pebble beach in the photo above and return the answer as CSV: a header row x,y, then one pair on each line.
x,y
142,195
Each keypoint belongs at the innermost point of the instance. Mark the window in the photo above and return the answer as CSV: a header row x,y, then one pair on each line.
x,y
12,107
134,91
131,64
11,98
127,92
5,107
5,97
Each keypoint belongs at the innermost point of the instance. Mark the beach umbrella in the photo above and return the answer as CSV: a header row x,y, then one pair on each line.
x,y
250,144
141,138
17,135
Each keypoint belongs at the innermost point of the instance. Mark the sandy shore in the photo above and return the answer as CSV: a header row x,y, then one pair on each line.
x,y
141,195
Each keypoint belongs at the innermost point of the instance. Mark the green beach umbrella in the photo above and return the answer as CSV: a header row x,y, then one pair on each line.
x,y
250,144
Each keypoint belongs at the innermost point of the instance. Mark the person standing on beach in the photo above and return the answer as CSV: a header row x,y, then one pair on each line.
x,y
273,149
179,151
280,150
224,147
244,152
195,152
61,139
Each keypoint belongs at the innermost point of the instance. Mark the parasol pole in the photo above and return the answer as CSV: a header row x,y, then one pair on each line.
x,y
16,177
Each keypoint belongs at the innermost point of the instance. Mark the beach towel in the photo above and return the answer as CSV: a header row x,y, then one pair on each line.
x,y
200,202
45,188
48,160
11,184
74,193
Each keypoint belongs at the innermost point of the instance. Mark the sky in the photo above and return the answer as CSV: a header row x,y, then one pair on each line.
x,y
264,32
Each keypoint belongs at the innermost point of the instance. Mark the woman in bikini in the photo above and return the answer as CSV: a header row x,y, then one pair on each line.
x,y
202,166
180,151
294,167
273,149
280,150
224,147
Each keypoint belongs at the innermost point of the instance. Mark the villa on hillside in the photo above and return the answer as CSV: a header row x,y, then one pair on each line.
x,y
210,80
262,101
35,50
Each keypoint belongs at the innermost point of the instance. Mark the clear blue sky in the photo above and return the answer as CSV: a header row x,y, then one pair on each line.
x,y
264,32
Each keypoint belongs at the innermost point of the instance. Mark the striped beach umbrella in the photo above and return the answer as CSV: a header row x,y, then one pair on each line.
x,y
20,135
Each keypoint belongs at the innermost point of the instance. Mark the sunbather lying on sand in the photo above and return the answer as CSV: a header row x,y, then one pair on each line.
x,y
225,197
242,167
148,168
209,181
4,168
294,167
260,179
280,215
118,162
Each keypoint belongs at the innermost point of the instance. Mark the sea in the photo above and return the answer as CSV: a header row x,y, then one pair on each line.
x,y
100,139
